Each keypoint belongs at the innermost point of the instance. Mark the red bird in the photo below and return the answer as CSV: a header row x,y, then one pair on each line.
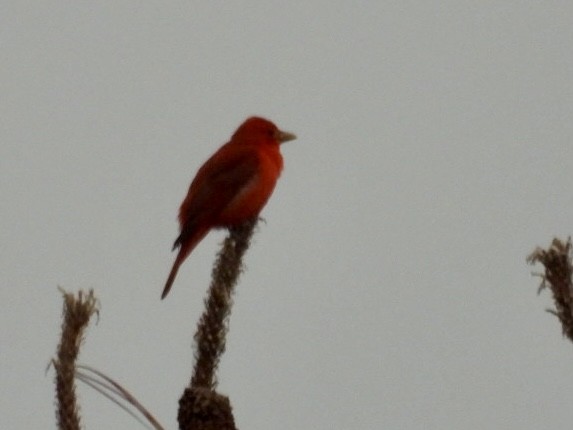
x,y
231,187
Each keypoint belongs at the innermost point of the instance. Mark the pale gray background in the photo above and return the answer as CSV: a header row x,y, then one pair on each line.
x,y
388,287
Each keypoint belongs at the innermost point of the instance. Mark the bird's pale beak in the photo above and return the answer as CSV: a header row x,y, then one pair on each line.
x,y
285,136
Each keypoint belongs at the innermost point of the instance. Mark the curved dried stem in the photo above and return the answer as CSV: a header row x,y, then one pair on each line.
x,y
76,315
116,393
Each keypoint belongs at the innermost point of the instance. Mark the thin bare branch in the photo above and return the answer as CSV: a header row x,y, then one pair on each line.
x,y
101,388
118,390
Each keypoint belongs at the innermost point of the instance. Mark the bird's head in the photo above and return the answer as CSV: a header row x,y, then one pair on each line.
x,y
261,130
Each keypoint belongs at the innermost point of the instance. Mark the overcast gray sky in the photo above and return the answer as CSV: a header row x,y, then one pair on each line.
x,y
388,287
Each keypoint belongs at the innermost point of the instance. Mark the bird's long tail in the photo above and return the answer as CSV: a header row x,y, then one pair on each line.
x,y
171,277
187,245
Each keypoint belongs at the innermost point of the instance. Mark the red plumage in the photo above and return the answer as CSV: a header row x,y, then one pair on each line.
x,y
232,186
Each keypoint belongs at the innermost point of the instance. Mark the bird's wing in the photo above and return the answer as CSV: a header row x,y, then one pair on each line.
x,y
218,181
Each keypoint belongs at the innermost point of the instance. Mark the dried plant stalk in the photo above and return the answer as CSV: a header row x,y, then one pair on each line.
x,y
76,315
204,409
200,407
212,327
557,277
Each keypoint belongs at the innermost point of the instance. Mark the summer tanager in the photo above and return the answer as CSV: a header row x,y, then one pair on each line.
x,y
231,187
